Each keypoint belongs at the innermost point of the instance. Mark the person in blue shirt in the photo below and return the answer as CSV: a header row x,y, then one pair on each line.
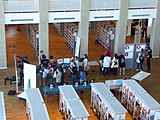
x,y
82,75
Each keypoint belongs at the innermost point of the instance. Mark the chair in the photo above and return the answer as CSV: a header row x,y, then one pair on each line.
x,y
7,78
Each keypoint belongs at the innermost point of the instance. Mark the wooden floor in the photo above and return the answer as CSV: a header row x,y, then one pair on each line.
x,y
18,43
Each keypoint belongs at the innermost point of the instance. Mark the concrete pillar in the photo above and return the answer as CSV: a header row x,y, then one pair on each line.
x,y
43,27
84,26
3,59
120,37
155,36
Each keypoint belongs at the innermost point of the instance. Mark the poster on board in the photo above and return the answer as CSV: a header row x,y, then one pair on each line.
x,y
128,55
29,76
139,47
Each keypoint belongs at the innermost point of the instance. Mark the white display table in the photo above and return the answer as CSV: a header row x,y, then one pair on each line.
x,y
2,100
70,104
101,89
77,110
140,104
35,106
148,104
2,107
34,96
68,92
114,109
39,112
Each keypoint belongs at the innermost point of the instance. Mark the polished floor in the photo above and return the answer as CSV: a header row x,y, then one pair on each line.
x,y
17,43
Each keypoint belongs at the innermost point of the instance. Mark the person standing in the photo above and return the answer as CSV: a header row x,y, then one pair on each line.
x,y
122,64
74,74
106,64
42,56
82,75
114,64
58,76
148,39
140,60
85,64
62,69
149,57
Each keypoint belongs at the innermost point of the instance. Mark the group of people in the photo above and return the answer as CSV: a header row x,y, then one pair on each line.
x,y
50,70
140,58
115,62
109,63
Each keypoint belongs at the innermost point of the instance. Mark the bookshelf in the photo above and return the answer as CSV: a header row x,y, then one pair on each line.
x,y
33,34
59,28
70,31
106,34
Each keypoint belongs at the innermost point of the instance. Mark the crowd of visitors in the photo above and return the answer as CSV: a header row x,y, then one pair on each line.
x,y
53,73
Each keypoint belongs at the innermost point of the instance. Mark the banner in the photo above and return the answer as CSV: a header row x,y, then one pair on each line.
x,y
77,46
29,76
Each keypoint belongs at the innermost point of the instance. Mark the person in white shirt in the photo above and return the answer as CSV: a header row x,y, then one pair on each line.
x,y
85,64
114,64
106,64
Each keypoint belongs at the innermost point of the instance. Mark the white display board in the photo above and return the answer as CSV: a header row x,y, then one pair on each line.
x,y
129,51
77,46
29,76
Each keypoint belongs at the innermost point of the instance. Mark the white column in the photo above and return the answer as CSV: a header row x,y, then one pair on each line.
x,y
84,26
155,36
43,27
3,59
121,24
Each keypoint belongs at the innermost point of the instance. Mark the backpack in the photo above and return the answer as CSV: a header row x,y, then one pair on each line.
x,y
141,57
122,60
11,92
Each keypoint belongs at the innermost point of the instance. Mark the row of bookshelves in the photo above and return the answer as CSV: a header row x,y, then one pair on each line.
x,y
59,28
33,34
70,31
106,34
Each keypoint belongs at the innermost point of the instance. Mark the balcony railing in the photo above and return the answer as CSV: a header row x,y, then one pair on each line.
x,y
142,4
64,5
73,5
104,4
21,6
